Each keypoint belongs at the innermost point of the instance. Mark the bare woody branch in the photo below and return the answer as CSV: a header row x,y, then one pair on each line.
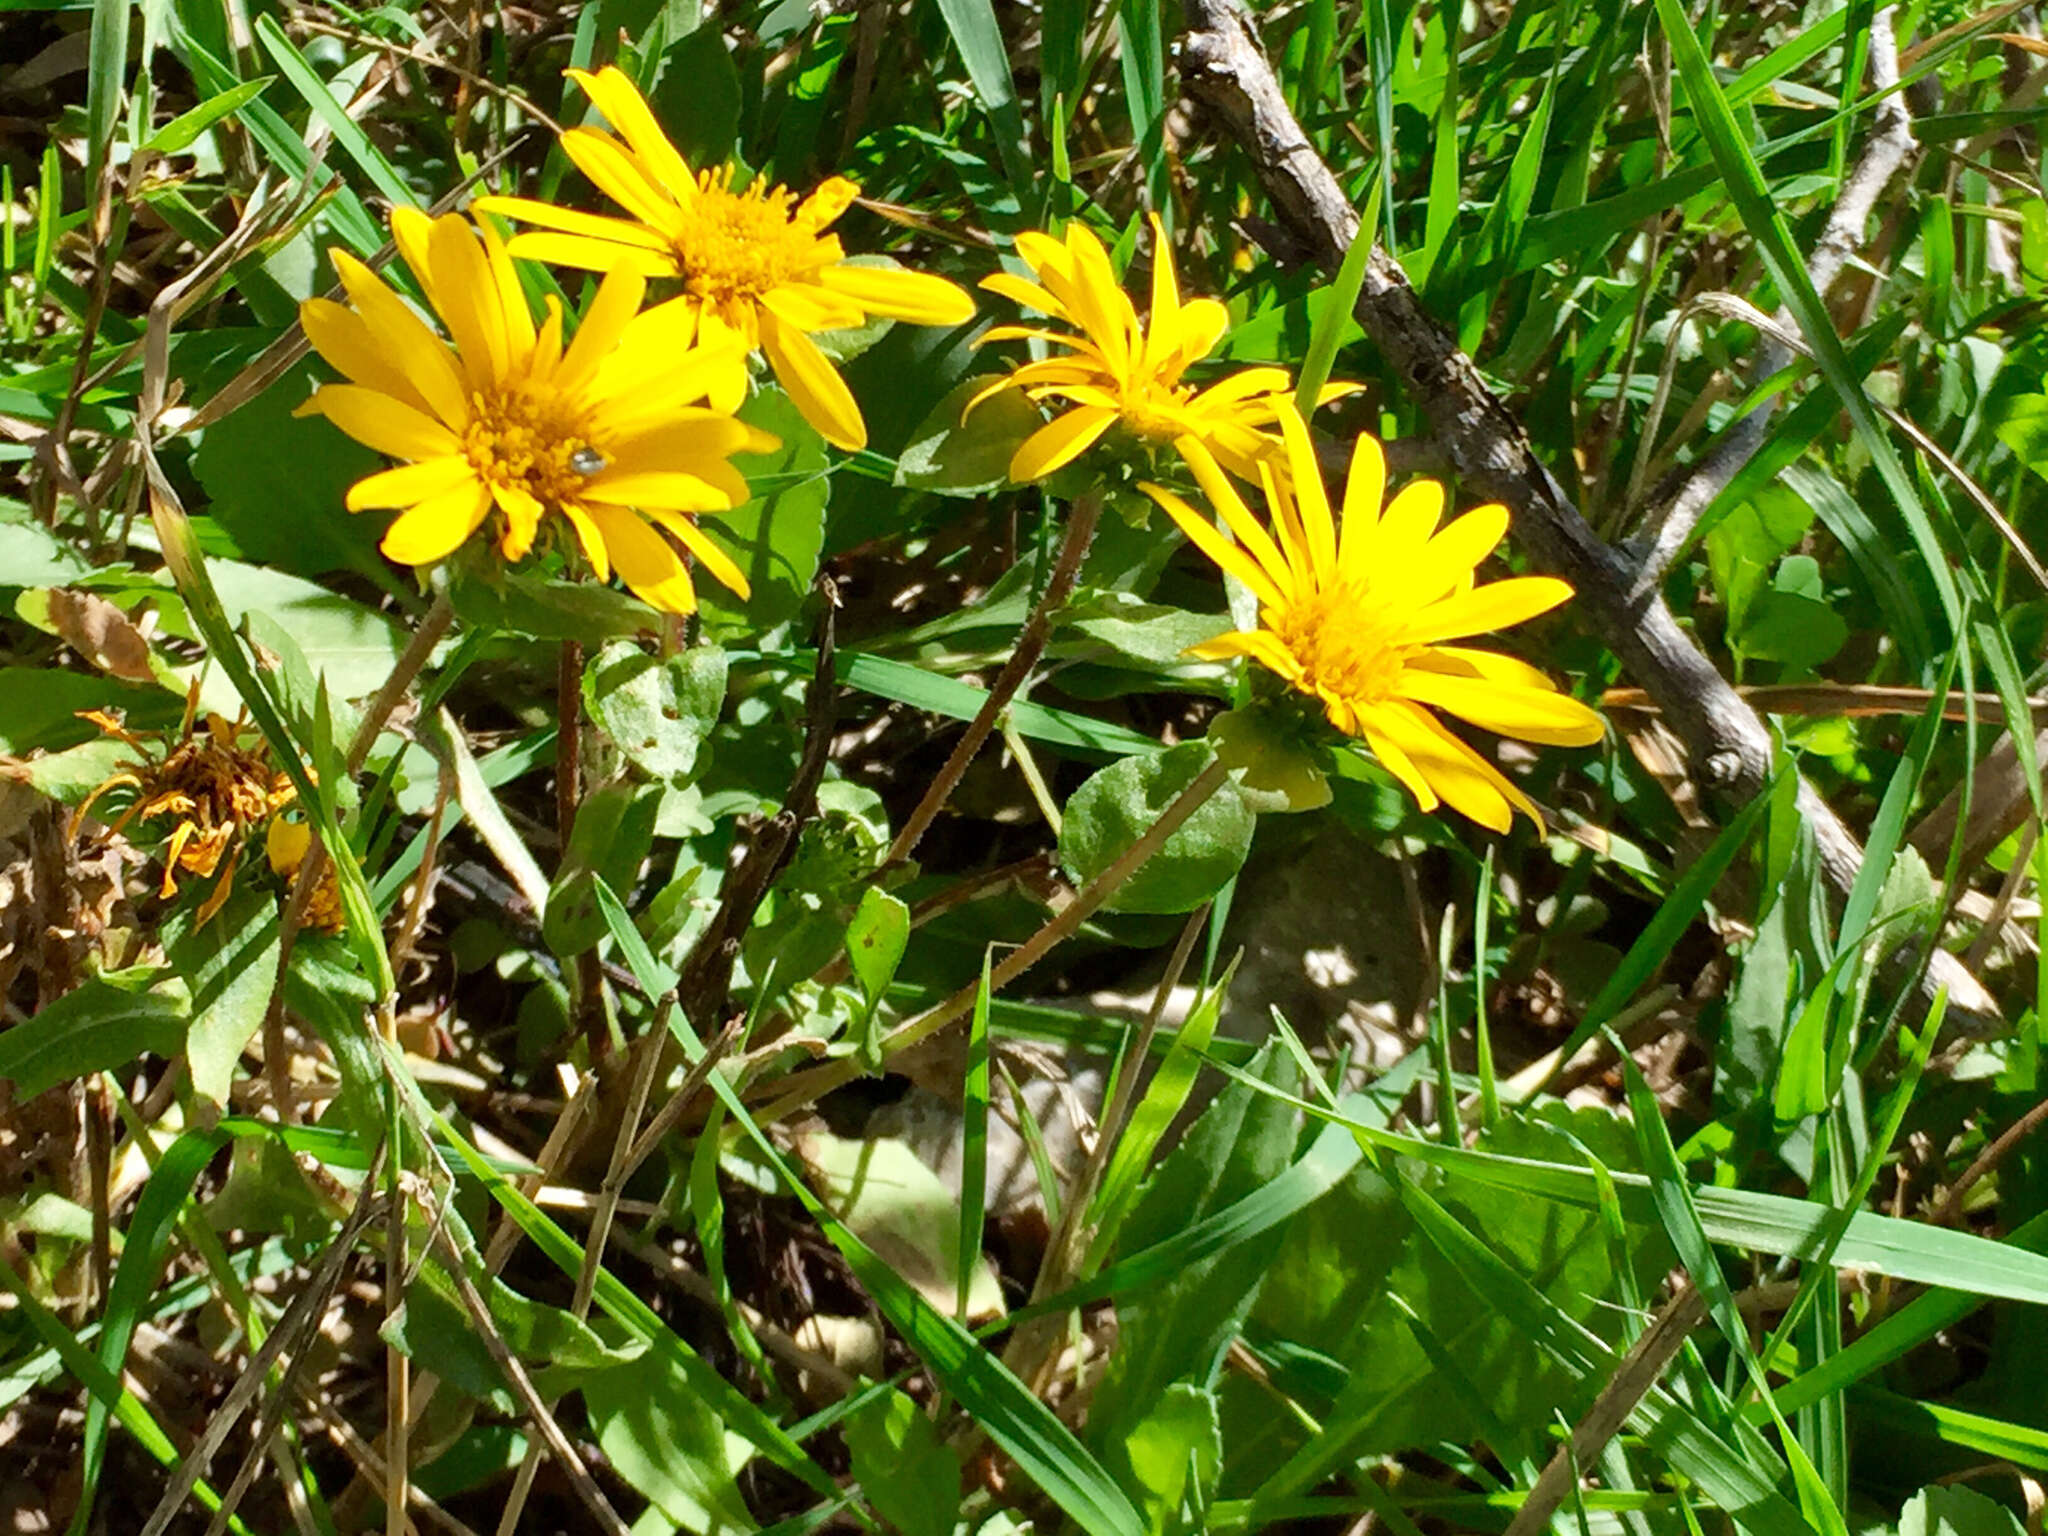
x,y
1728,747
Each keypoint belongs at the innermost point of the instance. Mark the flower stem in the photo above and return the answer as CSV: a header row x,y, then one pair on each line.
x,y
804,1087
376,715
587,1002
1031,642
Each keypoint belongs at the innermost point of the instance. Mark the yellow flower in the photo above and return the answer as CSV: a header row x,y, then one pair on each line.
x,y
213,788
287,843
1355,616
602,430
1121,372
757,265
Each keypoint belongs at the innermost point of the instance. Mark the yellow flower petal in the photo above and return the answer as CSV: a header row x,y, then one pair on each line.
x,y
1024,292
1227,556
660,488
1456,549
1312,500
809,308
813,384
411,346
513,308
570,221
1059,442
1466,781
588,253
436,528
340,336
411,232
603,323
622,178
469,301
1496,605
409,484
1529,714
721,565
522,511
645,561
387,425
829,199
1411,517
592,540
1261,645
1365,486
1246,529
917,297
626,110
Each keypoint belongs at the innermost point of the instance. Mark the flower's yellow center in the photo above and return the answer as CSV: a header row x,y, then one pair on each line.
x,y
1153,411
1347,641
526,435
736,246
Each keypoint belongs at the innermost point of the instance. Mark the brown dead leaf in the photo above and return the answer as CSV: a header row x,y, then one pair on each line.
x,y
101,633
2020,40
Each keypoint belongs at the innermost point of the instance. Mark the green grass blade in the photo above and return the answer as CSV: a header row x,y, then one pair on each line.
x,y
974,1143
1654,944
128,1297
1331,323
107,65
102,1384
987,57
1729,146
348,133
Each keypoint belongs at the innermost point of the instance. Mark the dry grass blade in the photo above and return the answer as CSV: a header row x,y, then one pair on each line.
x,y
557,1443
300,1318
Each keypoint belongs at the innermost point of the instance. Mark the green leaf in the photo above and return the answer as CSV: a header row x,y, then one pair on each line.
x,y
545,607
1956,1511
949,696
1165,1096
906,1472
39,707
91,1029
230,964
1789,628
1174,1456
698,97
987,57
275,482
960,453
349,134
901,1211
658,710
776,537
148,1230
667,1442
31,555
875,940
106,65
613,831
1110,812
177,136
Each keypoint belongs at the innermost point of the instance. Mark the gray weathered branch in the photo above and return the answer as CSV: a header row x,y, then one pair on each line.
x,y
1729,750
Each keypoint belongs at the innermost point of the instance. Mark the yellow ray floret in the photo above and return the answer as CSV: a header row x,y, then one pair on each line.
x,y
608,430
1356,612
1116,371
758,266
